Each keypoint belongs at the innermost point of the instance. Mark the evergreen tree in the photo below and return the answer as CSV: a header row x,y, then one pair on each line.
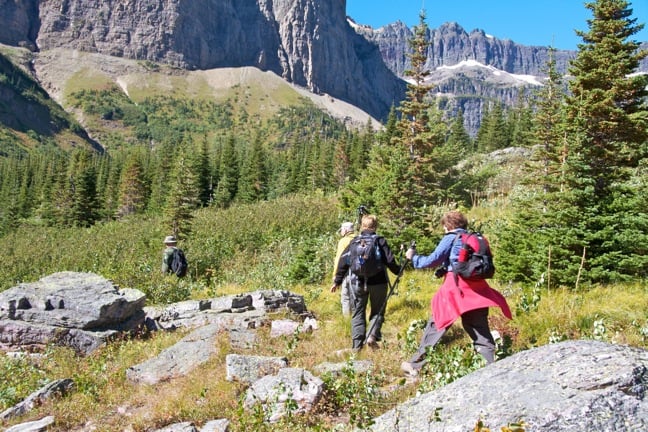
x,y
183,197
608,119
158,171
549,131
422,132
495,134
56,199
109,176
414,126
607,106
341,164
401,179
520,122
83,178
391,125
204,173
358,155
227,186
253,181
459,139
584,220
481,139
132,189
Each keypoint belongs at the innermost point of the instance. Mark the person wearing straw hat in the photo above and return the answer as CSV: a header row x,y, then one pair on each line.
x,y
171,244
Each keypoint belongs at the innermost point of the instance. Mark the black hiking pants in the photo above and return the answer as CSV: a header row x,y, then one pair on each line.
x,y
474,322
375,296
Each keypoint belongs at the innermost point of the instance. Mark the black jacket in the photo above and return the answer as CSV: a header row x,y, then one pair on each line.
x,y
381,278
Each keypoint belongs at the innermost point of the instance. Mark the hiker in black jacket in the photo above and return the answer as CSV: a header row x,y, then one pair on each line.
x,y
365,290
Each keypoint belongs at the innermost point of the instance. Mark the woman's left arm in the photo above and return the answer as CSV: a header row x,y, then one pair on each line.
x,y
436,258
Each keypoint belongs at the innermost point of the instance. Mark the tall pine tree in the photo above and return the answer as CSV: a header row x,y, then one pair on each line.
x,y
590,221
183,197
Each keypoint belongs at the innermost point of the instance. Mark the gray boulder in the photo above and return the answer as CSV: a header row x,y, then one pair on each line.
x,y
220,425
235,314
338,369
254,306
579,386
193,350
179,427
248,369
71,300
55,388
24,335
79,310
292,389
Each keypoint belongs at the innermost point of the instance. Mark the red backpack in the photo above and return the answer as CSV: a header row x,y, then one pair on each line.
x,y
475,258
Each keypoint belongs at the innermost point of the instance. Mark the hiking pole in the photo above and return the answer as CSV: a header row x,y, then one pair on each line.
x,y
392,288
362,210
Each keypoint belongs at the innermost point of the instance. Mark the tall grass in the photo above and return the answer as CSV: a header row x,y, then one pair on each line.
x,y
271,244
285,244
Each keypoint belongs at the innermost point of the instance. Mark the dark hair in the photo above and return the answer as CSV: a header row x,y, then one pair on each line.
x,y
453,220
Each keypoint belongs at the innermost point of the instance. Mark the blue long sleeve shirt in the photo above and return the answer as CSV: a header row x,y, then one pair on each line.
x,y
446,252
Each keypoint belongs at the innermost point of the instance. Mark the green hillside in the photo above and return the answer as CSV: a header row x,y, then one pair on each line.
x,y
29,118
254,181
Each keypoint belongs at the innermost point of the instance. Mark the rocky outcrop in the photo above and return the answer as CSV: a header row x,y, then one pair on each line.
x,y
580,386
41,425
471,70
53,389
79,310
19,24
575,385
308,43
290,391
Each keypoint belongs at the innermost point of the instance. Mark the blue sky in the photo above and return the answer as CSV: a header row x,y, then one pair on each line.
x,y
541,22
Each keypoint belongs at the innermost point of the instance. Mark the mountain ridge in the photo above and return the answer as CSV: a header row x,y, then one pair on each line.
x,y
305,42
313,46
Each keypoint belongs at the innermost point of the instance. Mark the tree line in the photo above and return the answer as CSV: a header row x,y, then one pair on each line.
x,y
581,211
579,215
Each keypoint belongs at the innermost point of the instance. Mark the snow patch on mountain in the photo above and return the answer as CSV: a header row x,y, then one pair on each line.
x,y
528,79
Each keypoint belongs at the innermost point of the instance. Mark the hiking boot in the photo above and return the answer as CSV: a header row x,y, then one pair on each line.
x,y
408,368
372,342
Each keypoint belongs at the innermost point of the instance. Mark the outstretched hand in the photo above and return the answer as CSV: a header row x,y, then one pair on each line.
x,y
410,253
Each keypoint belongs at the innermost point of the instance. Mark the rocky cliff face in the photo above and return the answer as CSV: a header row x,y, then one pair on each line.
x,y
307,42
310,43
19,23
451,44
483,68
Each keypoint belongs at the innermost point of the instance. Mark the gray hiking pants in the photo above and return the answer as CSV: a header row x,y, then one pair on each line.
x,y
375,295
475,323
345,295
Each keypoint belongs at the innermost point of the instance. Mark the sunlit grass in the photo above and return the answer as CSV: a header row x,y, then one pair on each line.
x,y
269,251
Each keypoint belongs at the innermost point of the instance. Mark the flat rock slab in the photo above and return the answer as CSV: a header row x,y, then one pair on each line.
x,y
576,386
248,369
191,351
33,426
71,300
